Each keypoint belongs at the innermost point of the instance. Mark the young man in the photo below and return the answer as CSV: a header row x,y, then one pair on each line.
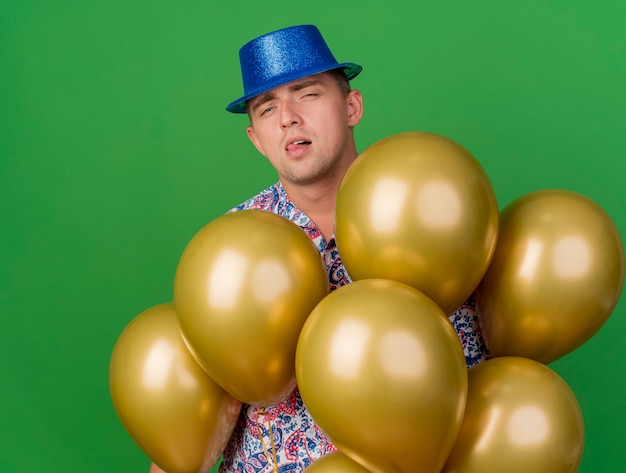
x,y
302,114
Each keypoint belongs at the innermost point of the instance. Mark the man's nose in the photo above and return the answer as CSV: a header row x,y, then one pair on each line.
x,y
289,115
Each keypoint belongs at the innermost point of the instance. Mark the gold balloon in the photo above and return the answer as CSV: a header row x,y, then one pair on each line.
x,y
335,462
556,276
419,209
171,408
243,288
520,417
383,373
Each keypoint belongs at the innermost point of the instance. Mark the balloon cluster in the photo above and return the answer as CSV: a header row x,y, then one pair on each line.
x,y
377,362
419,231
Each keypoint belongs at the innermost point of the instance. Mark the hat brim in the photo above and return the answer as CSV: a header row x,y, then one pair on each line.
x,y
350,70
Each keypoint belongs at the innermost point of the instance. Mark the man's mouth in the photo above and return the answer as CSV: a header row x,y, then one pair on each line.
x,y
297,143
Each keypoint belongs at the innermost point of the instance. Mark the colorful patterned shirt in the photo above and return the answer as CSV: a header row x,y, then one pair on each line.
x,y
286,433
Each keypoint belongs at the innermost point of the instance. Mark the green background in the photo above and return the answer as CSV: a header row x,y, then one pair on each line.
x,y
115,149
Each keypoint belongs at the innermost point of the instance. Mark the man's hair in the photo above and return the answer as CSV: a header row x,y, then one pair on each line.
x,y
342,81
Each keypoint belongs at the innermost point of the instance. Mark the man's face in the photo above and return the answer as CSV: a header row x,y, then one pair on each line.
x,y
304,128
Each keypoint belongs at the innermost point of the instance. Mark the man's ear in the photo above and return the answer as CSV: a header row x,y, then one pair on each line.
x,y
254,139
354,102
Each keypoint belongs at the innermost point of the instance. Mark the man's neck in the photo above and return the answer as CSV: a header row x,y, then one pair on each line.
x,y
317,201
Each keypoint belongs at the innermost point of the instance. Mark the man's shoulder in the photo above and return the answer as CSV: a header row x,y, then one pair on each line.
x,y
268,199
